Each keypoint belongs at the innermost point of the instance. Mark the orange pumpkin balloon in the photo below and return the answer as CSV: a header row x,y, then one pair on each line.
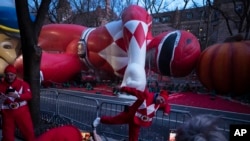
x,y
225,67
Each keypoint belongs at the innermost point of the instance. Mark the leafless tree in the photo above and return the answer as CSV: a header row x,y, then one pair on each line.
x,y
153,6
60,11
29,31
89,12
118,6
240,17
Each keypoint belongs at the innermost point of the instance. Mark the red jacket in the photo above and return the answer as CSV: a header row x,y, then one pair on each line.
x,y
145,105
21,88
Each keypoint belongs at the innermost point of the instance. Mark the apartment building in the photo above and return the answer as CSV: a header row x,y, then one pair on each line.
x,y
206,23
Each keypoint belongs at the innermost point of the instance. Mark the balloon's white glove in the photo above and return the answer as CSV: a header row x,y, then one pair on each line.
x,y
135,77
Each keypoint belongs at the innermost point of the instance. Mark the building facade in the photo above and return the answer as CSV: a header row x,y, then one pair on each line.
x,y
209,23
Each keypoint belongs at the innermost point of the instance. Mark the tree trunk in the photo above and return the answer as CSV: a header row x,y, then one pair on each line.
x,y
29,32
32,59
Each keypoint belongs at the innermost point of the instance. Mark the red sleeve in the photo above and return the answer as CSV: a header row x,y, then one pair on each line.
x,y
135,92
26,93
166,108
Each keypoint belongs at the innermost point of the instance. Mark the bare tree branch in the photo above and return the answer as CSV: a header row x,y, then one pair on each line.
x,y
223,15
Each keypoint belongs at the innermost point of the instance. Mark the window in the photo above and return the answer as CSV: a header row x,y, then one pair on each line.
x,y
239,8
214,27
200,29
203,14
189,15
165,19
204,37
215,16
156,20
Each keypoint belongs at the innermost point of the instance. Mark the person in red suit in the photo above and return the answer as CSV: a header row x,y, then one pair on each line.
x,y
123,48
15,94
140,113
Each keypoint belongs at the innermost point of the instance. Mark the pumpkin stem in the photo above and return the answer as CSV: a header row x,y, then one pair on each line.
x,y
235,38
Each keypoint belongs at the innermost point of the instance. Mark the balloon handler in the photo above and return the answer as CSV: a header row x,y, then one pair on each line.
x,y
140,113
15,94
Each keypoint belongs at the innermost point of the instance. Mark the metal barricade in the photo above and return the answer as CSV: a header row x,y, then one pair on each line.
x,y
159,130
48,103
114,131
59,106
162,124
225,123
80,110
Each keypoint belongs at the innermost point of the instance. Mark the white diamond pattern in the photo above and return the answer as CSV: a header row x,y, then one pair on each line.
x,y
150,109
115,56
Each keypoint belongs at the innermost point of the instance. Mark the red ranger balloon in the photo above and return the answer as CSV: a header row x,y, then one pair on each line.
x,y
120,47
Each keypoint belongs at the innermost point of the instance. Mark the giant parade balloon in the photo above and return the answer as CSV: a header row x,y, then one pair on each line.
x,y
120,47
224,68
